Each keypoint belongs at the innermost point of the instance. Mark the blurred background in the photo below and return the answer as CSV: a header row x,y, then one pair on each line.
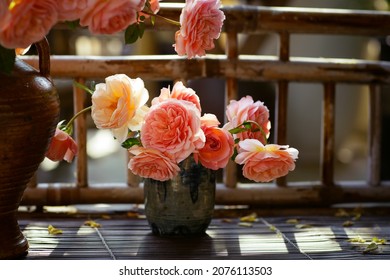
x,y
108,161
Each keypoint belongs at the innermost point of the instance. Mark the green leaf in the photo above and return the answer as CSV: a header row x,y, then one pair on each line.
x,y
127,144
379,240
370,248
133,32
141,29
7,60
73,24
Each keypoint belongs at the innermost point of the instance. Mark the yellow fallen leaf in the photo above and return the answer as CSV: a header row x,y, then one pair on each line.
x,y
272,227
348,224
357,217
53,230
92,224
226,220
357,240
106,217
303,226
292,221
341,213
132,215
250,218
379,240
245,224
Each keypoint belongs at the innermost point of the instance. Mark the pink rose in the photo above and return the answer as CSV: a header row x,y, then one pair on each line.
x,y
179,92
201,22
69,10
265,163
245,109
154,8
108,17
151,163
28,22
119,105
61,147
173,127
219,145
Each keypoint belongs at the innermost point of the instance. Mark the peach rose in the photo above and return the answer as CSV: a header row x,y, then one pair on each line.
x,y
151,163
173,127
264,163
4,13
180,92
61,147
219,145
245,109
28,22
69,10
119,105
201,22
108,17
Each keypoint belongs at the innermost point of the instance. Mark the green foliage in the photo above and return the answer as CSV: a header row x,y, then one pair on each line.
x,y
133,32
131,142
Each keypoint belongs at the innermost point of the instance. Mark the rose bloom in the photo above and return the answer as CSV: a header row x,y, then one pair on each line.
x,y
219,145
245,109
69,10
154,8
151,163
119,105
28,22
264,163
173,126
180,92
201,22
108,17
61,147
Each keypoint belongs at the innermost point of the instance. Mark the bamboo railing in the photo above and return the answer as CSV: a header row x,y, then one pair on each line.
x,y
281,69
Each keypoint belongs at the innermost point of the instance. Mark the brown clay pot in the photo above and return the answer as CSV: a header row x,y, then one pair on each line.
x,y
29,113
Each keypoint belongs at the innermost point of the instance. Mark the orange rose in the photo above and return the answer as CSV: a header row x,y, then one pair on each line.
x,y
151,163
201,22
28,22
173,126
180,92
264,163
119,105
245,109
219,145
61,147
108,17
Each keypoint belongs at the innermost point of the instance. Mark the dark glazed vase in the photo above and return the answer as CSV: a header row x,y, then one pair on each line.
x,y
29,113
183,205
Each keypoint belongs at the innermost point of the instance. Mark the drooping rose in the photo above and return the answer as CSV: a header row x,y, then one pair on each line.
x,y
151,163
61,147
119,105
69,10
180,92
154,8
28,22
173,126
219,145
264,163
108,17
201,22
246,109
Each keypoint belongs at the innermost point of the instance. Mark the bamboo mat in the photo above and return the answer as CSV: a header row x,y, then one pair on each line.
x,y
284,237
